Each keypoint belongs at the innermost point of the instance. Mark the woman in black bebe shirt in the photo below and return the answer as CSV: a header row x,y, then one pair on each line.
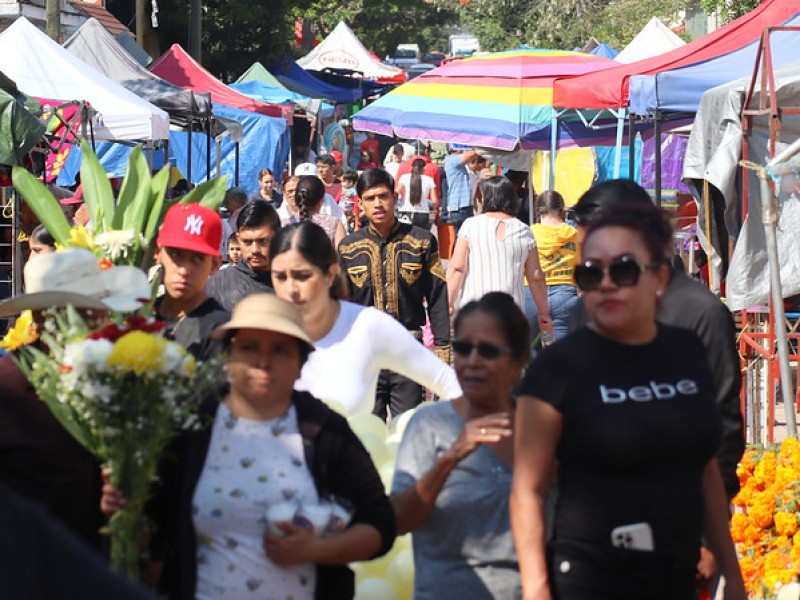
x,y
625,408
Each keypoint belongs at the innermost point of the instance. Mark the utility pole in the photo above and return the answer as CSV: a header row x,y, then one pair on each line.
x,y
54,20
196,30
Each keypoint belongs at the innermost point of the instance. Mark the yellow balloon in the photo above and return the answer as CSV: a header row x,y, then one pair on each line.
x,y
394,438
375,589
369,424
387,474
399,424
392,446
400,573
376,568
336,407
403,542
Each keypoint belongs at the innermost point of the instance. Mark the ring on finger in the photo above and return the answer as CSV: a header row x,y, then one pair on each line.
x,y
483,430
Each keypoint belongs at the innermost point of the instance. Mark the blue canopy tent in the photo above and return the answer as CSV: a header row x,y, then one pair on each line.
x,y
680,90
265,144
281,95
337,89
604,50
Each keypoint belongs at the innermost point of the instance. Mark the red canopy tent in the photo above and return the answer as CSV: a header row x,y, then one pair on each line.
x,y
177,67
610,88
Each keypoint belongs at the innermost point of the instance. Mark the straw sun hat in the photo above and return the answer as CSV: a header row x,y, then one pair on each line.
x,y
74,277
266,312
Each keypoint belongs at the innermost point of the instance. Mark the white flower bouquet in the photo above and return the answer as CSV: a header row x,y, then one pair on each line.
x,y
122,392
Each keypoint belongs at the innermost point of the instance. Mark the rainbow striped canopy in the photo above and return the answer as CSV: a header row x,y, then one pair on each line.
x,y
501,100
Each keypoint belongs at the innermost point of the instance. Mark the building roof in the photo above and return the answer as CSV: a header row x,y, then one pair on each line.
x,y
109,21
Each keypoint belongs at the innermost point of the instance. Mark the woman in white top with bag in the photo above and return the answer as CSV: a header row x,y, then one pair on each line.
x,y
494,252
418,196
352,343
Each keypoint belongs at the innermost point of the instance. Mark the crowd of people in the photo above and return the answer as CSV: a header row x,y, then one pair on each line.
x,y
587,432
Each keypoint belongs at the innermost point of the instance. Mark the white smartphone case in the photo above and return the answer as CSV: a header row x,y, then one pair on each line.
x,y
637,536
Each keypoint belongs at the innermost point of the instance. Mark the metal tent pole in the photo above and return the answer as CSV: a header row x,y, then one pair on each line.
x,y
769,217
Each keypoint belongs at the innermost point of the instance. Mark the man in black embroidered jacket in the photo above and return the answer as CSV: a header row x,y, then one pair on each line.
x,y
395,267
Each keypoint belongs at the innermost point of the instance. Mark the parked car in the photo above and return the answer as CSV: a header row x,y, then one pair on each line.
x,y
418,69
434,58
406,56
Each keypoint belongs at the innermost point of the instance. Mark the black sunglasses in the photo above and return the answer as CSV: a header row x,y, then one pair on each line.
x,y
623,271
485,349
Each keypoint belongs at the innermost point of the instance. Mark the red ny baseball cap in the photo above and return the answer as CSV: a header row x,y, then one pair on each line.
x,y
190,226
337,156
76,198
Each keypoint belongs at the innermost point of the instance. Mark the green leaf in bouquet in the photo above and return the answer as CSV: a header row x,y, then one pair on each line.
x,y
132,191
42,203
209,194
158,191
41,370
97,192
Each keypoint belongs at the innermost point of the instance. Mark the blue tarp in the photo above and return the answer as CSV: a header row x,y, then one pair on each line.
x,y
679,90
342,90
604,50
279,95
265,144
605,157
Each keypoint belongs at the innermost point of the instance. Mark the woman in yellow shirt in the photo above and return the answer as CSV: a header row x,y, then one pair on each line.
x,y
557,244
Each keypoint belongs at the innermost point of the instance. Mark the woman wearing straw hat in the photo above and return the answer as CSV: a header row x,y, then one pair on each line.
x,y
239,509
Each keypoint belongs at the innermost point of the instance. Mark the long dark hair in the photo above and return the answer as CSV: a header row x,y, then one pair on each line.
x,y
415,185
308,196
313,244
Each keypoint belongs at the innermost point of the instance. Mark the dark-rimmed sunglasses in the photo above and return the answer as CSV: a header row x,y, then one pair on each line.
x,y
485,349
623,272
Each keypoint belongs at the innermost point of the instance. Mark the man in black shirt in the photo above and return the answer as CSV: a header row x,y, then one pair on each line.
x,y
255,226
188,252
395,267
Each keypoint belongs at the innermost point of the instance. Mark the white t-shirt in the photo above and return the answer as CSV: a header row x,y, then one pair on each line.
x,y
345,364
495,265
249,465
425,198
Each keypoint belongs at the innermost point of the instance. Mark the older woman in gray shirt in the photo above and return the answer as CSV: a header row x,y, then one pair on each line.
x,y
453,475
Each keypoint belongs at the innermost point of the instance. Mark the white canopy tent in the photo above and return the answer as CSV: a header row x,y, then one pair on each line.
x,y
343,50
655,38
42,68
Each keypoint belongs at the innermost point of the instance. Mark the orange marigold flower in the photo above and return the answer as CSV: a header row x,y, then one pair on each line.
x,y
785,523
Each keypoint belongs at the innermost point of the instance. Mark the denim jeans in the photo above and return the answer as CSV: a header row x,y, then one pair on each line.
x,y
457,217
562,300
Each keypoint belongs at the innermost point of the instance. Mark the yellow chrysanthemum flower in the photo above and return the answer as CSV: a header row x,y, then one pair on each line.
x,y
79,237
23,333
137,351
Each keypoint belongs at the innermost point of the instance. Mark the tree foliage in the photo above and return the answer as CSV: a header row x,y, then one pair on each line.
x,y
238,32
560,24
729,10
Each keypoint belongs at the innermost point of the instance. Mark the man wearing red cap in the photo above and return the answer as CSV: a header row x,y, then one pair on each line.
x,y
188,253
